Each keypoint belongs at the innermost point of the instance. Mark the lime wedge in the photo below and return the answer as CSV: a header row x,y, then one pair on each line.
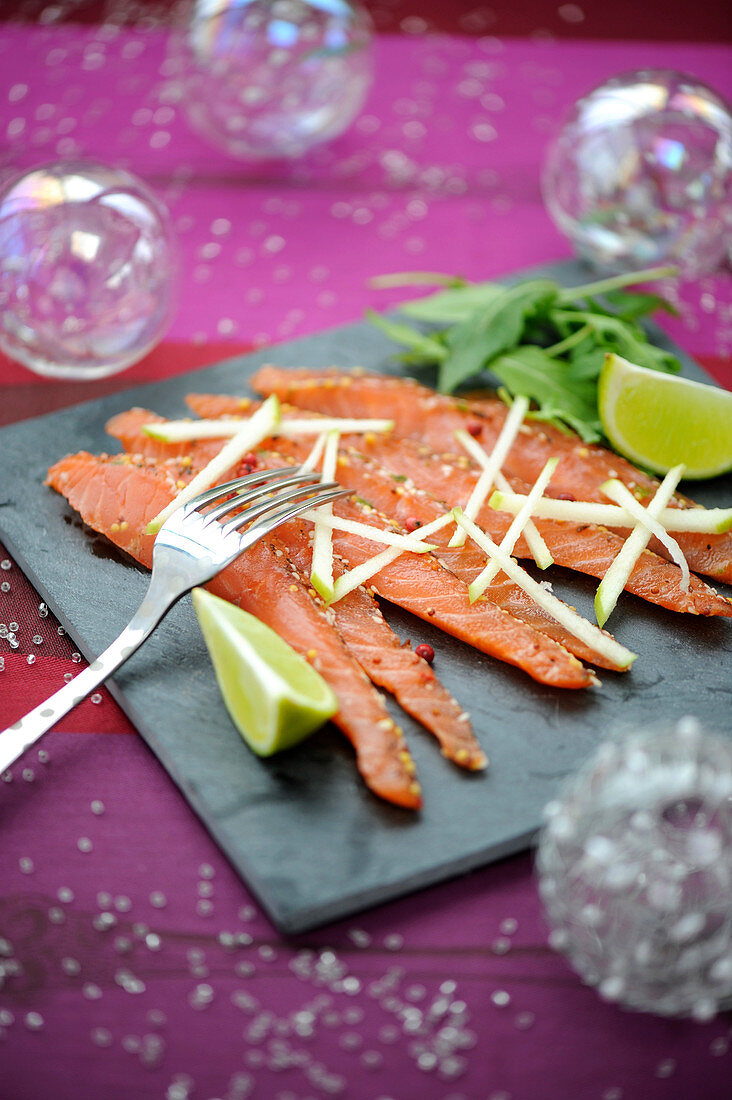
x,y
660,420
275,698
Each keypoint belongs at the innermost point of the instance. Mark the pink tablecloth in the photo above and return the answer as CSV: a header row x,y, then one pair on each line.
x,y
134,963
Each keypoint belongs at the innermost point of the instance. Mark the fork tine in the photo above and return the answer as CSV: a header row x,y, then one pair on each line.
x,y
217,491
281,502
269,520
284,495
263,490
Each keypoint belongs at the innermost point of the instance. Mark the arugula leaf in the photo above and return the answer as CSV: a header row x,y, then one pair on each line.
x,y
633,306
454,305
491,330
429,349
538,338
529,370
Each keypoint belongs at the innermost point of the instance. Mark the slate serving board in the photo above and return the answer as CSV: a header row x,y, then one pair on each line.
x,y
303,831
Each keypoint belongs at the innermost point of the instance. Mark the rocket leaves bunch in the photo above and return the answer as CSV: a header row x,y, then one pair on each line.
x,y
536,337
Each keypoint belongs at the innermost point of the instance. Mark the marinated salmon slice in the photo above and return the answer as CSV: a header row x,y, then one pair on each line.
x,y
407,505
418,583
585,548
118,495
357,617
393,666
422,414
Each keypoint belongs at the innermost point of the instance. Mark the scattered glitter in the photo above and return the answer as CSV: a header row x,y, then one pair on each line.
x,y
371,1059
156,1017
65,894
26,865
719,1046
31,659
394,941
91,991
33,1021
68,676
247,913
666,1068
158,899
70,966
84,844
7,777
101,1036
43,756
206,871
201,997
6,564
127,981
205,889
132,1044
56,915
104,921
501,946
28,774
153,941
122,904
76,658
525,1020
508,926
204,908
37,639
96,698
501,998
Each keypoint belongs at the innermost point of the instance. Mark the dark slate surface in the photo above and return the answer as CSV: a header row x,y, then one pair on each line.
x,y
302,830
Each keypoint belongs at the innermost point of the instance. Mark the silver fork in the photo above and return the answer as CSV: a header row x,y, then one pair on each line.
x,y
191,547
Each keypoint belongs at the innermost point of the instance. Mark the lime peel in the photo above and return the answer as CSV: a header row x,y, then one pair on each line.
x,y
537,546
707,521
250,434
321,572
509,540
367,531
567,616
617,576
184,431
621,495
274,697
497,457
660,420
352,578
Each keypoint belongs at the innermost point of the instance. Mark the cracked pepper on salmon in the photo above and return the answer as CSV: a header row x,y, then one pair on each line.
x,y
432,418
400,481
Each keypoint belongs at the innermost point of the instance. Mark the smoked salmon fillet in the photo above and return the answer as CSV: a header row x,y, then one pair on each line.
x,y
357,617
396,667
418,583
422,414
449,479
118,495
408,506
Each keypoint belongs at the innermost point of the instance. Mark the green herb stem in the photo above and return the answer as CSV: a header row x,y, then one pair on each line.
x,y
415,278
615,282
569,342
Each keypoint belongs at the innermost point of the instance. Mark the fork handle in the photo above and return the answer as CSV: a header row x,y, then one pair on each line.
x,y
160,597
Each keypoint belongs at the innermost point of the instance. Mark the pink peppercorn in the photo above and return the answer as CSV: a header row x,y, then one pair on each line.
x,y
426,652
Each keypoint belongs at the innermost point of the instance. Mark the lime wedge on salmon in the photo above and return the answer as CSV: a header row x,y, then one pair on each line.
x,y
660,420
275,698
